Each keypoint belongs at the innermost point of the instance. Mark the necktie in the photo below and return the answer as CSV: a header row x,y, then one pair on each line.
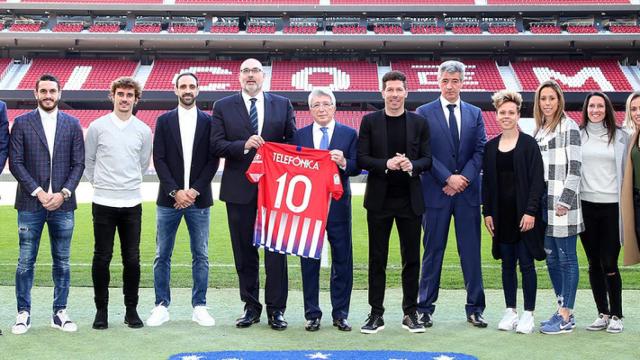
x,y
253,115
324,141
453,127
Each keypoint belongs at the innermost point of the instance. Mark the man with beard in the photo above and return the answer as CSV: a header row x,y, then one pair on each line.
x,y
46,182
241,124
185,165
118,151
393,145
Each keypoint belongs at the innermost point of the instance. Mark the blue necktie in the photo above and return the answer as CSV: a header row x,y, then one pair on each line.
x,y
324,141
453,127
253,115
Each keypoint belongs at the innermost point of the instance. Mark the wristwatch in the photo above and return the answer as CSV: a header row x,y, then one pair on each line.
x,y
66,195
173,193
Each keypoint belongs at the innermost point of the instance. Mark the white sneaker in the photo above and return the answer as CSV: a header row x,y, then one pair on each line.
x,y
615,325
159,316
509,320
526,323
62,321
202,317
600,323
23,323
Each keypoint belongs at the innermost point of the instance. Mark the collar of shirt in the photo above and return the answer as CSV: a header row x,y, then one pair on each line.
x,y
48,115
247,98
317,133
190,114
120,123
446,102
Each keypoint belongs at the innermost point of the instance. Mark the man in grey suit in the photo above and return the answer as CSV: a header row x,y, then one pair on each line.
x,y
46,155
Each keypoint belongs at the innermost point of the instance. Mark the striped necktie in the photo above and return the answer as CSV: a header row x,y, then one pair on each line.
x,y
253,115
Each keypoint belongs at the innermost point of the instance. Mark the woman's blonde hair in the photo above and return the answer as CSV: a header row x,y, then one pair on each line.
x,y
505,96
628,120
537,110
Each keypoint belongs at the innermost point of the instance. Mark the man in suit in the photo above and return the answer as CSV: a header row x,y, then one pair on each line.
x,y
185,164
327,134
393,146
452,187
46,156
4,138
241,124
117,155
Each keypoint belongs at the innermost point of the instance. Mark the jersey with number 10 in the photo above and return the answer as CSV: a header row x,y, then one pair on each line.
x,y
295,185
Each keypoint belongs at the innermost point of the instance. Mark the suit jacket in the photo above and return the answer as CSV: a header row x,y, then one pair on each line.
x,y
30,163
468,160
372,156
344,138
169,159
4,135
230,130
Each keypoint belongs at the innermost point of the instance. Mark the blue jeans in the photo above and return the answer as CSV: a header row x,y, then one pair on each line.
x,y
168,220
30,225
562,262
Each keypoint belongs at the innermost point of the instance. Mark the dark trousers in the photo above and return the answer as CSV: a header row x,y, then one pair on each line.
x,y
601,242
242,218
341,282
379,224
105,222
512,254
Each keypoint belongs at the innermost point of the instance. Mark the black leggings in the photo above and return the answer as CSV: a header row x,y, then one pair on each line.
x,y
601,242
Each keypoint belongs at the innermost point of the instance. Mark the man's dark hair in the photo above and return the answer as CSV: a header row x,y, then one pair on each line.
x,y
47,77
186,74
394,75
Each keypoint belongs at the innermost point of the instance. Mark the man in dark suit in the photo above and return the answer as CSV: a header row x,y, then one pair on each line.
x,y
4,138
241,124
46,156
185,164
452,187
393,146
327,134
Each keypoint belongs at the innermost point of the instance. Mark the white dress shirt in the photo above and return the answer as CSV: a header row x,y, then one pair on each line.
x,y
187,120
259,107
317,133
444,102
49,123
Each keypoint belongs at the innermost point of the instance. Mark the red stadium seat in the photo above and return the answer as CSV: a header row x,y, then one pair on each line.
x,y
338,75
555,2
573,75
212,75
545,29
349,29
582,29
502,29
403,2
68,27
300,29
79,74
466,30
35,27
625,29
146,28
104,28
224,29
422,75
183,29
427,29
251,2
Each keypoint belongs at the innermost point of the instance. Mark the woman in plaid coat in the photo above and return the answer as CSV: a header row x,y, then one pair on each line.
x,y
559,140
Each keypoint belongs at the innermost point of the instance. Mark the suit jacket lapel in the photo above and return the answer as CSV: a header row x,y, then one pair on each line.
x,y
200,125
442,121
465,115
410,133
36,123
61,127
267,113
174,127
382,131
335,136
243,114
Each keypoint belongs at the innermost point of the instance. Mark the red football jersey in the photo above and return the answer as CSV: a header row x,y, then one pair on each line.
x,y
295,186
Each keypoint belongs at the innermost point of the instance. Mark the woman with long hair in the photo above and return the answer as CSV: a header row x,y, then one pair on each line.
x,y
603,153
630,199
558,138
512,185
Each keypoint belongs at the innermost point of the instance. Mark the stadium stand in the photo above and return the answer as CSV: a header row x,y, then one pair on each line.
x,y
72,27
107,27
630,29
545,29
402,2
349,29
422,75
573,75
224,29
183,28
503,29
555,2
26,27
212,75
146,28
95,1
251,2
582,29
338,75
426,29
300,29
385,29
79,74
466,30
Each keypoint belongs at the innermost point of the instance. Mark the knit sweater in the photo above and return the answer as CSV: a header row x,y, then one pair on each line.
x,y
599,176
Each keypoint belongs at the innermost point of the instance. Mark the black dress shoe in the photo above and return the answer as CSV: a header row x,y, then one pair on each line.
x,y
426,320
131,318
342,324
312,324
477,320
277,321
247,319
101,322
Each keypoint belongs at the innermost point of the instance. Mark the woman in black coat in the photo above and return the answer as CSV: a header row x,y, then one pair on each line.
x,y
512,186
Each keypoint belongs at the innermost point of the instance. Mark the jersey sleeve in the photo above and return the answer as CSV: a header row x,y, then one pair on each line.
x,y
335,184
256,168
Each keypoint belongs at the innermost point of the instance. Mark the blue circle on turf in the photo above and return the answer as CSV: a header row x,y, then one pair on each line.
x,y
321,355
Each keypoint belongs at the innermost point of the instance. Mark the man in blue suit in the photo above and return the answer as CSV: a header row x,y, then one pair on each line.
x,y
452,187
327,134
4,138
46,156
241,124
185,164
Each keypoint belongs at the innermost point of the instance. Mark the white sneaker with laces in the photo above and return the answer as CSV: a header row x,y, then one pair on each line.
x,y
23,323
509,320
62,321
159,316
202,317
600,323
526,323
615,325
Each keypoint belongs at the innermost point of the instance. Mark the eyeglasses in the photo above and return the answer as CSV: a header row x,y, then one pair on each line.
x,y
321,105
252,71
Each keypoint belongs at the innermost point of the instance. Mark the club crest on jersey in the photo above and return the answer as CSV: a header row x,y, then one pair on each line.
x,y
336,179
257,158
295,161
